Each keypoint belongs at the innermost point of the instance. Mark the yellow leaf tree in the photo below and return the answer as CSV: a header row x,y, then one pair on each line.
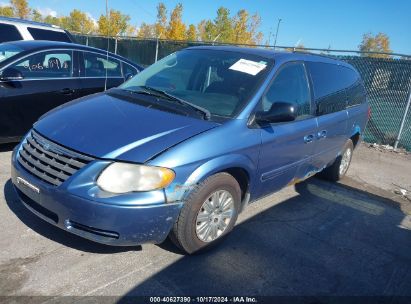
x,y
115,24
78,22
146,31
176,29
161,23
21,8
191,33
6,11
377,43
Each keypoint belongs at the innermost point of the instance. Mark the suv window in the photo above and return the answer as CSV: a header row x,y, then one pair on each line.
x,y
330,82
355,89
96,65
9,32
290,85
41,34
49,64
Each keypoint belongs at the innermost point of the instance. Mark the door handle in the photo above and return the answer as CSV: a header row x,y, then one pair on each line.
x,y
322,134
308,138
66,91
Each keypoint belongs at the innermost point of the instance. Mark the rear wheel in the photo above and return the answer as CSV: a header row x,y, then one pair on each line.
x,y
341,164
209,213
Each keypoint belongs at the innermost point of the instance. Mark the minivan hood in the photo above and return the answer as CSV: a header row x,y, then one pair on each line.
x,y
105,126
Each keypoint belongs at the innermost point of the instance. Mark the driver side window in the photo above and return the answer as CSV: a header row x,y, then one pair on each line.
x,y
291,86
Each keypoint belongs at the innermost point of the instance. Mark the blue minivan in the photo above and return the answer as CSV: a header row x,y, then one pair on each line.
x,y
184,146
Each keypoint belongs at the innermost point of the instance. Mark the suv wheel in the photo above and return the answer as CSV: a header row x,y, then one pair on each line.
x,y
208,214
341,164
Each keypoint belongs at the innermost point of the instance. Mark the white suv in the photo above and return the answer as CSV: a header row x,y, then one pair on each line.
x,y
12,29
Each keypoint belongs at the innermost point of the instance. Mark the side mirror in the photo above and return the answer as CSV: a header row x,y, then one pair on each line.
x,y
11,74
279,112
128,76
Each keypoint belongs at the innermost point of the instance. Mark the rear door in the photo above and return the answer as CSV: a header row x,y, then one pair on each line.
x,y
287,148
99,72
329,86
47,83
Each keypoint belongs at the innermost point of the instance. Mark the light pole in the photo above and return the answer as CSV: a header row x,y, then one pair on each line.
x,y
276,33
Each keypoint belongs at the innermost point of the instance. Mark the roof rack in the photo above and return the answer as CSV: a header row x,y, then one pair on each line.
x,y
18,20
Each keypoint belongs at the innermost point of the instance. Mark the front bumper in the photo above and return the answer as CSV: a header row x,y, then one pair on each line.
x,y
120,221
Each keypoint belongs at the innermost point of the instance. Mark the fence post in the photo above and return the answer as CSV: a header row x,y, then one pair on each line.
x,y
403,120
115,46
155,59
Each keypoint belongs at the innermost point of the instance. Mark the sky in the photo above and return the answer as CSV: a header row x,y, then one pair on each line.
x,y
314,23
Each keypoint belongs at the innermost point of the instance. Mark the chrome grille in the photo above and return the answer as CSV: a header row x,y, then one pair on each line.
x,y
48,161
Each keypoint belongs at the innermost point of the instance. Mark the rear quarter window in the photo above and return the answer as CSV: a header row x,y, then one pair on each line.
x,y
335,87
9,32
128,69
41,34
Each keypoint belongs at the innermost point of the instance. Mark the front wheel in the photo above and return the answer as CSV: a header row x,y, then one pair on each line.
x,y
208,214
341,164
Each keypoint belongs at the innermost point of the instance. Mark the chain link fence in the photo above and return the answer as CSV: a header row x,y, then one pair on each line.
x,y
387,80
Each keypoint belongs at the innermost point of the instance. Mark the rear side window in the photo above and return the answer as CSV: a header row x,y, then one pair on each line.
x,y
9,32
48,64
129,70
41,34
96,65
355,89
331,83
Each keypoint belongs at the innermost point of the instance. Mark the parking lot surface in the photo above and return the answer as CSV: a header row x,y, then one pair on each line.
x,y
317,238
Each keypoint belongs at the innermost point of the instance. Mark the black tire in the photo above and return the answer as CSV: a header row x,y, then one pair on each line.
x,y
183,234
332,172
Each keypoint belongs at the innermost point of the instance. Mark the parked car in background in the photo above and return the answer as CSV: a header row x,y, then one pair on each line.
x,y
13,29
185,145
37,76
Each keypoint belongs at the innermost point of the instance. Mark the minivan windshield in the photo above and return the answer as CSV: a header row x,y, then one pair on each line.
x,y
220,82
8,50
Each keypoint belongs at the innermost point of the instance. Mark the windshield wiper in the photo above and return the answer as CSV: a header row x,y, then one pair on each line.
x,y
206,113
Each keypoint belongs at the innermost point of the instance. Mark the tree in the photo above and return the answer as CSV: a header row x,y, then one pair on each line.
x,y
176,29
6,11
146,31
78,22
206,30
36,16
161,23
223,26
115,24
191,33
240,27
52,20
256,37
21,8
377,43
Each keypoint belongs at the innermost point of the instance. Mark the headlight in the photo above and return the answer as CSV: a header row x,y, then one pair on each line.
x,y
123,177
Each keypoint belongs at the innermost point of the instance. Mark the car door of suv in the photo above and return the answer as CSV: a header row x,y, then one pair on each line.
x,y
47,83
287,147
329,87
99,72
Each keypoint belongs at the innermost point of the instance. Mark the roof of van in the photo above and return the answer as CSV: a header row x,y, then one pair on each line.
x,y
270,54
24,21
